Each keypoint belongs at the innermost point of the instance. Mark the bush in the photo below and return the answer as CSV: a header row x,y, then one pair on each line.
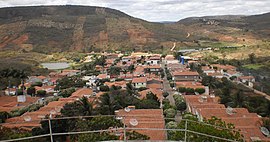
x,y
41,93
104,88
190,90
180,103
170,113
182,89
37,84
200,90
31,90
19,92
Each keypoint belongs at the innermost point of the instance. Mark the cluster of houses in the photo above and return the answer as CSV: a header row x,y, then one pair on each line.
x,y
208,106
229,71
145,73
46,83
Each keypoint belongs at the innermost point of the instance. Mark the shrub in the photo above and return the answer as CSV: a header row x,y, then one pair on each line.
x,y
182,89
200,90
170,113
104,88
41,93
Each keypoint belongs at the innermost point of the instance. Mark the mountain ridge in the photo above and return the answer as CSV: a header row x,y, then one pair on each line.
x,y
87,28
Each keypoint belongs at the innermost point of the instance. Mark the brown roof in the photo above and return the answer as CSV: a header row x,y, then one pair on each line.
x,y
139,80
9,103
154,86
102,76
169,57
116,83
246,77
157,92
189,84
153,67
147,118
185,73
81,92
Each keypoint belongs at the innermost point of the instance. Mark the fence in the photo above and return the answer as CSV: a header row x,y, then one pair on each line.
x,y
122,130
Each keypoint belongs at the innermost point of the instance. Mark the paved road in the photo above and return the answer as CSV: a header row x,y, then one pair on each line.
x,y
167,87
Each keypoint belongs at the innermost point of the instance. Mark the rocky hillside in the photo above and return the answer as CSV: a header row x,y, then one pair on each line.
x,y
66,28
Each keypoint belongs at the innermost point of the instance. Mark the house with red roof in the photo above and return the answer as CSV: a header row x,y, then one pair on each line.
x,y
185,76
153,60
139,82
144,118
205,107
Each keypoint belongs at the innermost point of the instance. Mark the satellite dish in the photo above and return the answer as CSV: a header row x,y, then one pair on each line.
x,y
52,112
133,122
127,109
27,118
265,131
196,93
229,110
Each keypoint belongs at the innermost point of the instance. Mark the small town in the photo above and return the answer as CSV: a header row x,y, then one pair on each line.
x,y
150,94
135,71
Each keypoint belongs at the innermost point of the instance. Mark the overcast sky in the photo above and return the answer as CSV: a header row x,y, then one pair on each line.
x,y
162,10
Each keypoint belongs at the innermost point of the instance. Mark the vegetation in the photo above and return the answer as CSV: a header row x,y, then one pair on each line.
x,y
226,130
84,108
180,102
236,95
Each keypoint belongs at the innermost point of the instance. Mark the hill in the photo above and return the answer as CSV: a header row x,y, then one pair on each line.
x,y
49,29
61,28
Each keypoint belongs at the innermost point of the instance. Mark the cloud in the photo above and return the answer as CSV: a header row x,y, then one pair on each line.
x,y
162,10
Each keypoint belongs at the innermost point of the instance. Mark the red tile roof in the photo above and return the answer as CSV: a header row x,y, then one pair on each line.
x,y
157,92
139,80
147,118
185,73
189,84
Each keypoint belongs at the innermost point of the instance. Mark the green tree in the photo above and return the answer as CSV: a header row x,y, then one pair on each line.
x,y
39,84
252,58
108,104
41,93
31,90
170,113
78,108
227,133
180,103
182,89
200,90
3,116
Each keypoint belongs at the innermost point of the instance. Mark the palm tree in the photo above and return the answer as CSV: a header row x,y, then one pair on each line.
x,y
87,106
108,104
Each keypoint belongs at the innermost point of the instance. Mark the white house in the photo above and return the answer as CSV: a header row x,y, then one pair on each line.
x,y
139,82
153,60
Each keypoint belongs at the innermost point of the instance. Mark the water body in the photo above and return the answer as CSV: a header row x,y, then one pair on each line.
x,y
55,66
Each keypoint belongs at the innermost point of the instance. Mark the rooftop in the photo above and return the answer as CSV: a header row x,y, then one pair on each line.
x,y
146,118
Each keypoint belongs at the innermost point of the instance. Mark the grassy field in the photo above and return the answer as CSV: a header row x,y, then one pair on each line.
x,y
253,66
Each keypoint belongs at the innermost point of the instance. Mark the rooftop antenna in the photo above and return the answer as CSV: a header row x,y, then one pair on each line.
x,y
265,131
133,122
229,110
